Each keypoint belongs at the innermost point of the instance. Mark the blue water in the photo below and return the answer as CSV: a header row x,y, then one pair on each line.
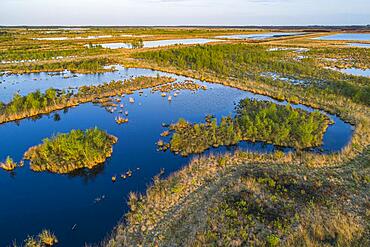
x,y
26,83
159,43
35,201
257,36
360,45
357,72
346,36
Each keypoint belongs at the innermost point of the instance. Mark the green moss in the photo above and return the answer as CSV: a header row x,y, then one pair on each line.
x,y
273,240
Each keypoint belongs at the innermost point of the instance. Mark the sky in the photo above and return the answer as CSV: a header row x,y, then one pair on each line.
x,y
184,12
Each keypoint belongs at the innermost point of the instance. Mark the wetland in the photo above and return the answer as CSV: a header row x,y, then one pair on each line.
x,y
255,125
146,116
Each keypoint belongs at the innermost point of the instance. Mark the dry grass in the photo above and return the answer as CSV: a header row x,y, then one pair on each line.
x,y
44,239
179,210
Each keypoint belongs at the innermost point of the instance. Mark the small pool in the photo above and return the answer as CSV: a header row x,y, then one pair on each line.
x,y
159,43
257,36
357,72
346,36
361,45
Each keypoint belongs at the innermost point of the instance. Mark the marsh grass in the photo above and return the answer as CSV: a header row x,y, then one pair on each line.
x,y
250,199
44,239
9,164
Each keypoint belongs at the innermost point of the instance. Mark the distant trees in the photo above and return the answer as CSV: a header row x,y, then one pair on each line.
x,y
83,66
31,52
33,102
137,43
254,121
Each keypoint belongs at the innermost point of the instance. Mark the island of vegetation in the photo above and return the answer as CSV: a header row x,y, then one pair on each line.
x,y
37,103
185,85
9,164
43,239
77,149
254,121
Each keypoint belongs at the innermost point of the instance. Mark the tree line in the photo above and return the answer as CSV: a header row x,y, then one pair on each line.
x,y
83,66
33,52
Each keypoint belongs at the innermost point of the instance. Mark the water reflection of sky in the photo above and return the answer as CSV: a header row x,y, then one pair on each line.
x,y
58,202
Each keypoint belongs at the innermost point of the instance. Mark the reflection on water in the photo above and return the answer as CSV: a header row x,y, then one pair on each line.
x,y
87,175
357,72
58,202
361,45
26,83
159,43
346,36
258,36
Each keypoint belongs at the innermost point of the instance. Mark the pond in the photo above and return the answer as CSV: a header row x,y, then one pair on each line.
x,y
346,36
72,38
159,43
258,36
361,45
87,37
357,72
83,207
292,80
26,83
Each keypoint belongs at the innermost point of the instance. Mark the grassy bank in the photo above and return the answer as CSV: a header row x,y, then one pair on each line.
x,y
38,103
251,199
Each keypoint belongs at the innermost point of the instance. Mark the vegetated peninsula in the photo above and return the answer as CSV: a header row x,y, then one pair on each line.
x,y
37,103
77,149
254,121
249,199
